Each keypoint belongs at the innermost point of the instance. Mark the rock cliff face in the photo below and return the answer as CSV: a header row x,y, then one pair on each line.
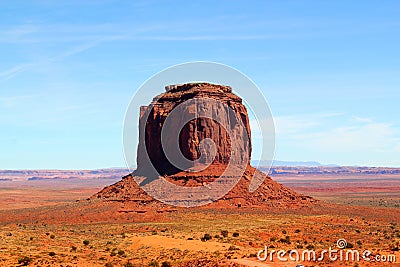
x,y
217,119
209,126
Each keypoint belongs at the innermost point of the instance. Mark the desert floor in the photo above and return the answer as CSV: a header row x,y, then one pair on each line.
x,y
42,224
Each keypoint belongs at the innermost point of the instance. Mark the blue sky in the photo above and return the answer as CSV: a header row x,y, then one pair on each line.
x,y
329,69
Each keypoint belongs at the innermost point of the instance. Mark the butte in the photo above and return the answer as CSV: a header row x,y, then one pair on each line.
x,y
152,160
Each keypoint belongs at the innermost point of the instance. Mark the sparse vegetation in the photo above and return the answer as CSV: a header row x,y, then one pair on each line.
x,y
224,233
182,240
25,261
310,247
166,264
285,240
153,264
206,237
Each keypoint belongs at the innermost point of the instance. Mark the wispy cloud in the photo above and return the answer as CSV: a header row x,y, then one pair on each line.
x,y
78,39
369,137
296,124
10,73
349,139
20,68
18,33
14,100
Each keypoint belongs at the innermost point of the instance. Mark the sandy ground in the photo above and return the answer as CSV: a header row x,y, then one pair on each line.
x,y
143,239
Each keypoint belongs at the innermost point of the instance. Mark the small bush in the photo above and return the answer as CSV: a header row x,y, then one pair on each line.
x,y
86,242
52,236
73,248
113,253
285,240
108,264
284,232
272,239
129,264
224,233
206,237
235,234
153,264
121,252
297,231
24,261
310,247
166,264
52,253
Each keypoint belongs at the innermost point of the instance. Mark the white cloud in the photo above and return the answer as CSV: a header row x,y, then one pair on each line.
x,y
13,101
367,137
337,138
11,72
295,124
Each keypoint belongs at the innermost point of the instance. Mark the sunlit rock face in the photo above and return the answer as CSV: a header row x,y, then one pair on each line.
x,y
206,139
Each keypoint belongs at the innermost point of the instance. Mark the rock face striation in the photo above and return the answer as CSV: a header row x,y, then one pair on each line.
x,y
190,135
211,111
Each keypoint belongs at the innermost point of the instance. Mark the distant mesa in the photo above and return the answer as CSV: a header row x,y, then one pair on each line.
x,y
205,161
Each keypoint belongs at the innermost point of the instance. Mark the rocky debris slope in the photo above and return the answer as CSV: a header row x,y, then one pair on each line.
x,y
269,194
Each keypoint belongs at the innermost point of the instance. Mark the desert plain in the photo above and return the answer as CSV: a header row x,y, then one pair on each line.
x,y
49,219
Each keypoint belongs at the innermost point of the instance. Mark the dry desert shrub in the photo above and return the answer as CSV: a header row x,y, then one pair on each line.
x,y
24,261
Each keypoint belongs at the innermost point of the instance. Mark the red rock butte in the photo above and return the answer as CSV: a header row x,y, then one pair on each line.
x,y
152,161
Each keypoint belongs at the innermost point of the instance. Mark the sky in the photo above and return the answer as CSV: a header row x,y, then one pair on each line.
x,y
330,71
